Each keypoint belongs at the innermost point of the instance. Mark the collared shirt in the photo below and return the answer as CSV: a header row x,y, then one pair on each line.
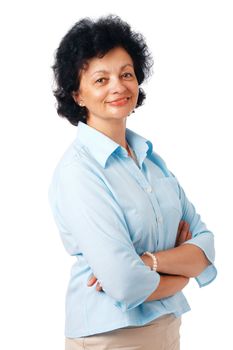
x,y
109,211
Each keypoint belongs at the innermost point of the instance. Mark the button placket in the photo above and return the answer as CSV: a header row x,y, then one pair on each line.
x,y
142,181
140,177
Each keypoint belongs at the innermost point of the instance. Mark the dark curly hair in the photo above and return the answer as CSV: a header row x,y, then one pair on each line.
x,y
88,39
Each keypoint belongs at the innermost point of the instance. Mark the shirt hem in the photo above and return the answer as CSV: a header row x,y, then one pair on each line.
x,y
115,326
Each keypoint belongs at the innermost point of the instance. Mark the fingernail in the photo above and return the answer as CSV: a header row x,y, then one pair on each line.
x,y
89,279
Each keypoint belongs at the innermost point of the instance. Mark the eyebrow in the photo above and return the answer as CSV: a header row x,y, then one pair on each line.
x,y
104,71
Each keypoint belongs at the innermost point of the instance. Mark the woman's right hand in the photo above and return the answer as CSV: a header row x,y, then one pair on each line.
x,y
92,280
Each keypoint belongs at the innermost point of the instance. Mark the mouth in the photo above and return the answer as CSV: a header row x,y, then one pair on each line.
x,y
120,101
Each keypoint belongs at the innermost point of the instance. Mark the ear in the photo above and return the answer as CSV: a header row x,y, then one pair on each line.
x,y
78,98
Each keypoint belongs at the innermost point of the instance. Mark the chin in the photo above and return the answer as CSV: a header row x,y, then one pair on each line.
x,y
121,113
120,116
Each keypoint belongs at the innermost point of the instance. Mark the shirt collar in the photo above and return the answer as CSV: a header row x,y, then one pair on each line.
x,y
101,146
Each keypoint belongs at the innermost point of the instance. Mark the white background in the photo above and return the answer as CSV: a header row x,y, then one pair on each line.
x,y
187,116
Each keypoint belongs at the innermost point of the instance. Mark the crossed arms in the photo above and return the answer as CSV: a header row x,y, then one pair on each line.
x,y
92,223
175,265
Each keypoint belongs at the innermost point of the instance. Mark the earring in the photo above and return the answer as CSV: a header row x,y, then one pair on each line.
x,y
81,104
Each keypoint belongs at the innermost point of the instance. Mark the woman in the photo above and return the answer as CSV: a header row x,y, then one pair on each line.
x,y
124,216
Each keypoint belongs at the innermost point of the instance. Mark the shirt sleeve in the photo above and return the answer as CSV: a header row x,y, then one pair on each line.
x,y
201,237
93,224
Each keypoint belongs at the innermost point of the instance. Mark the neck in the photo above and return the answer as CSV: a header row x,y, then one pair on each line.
x,y
114,129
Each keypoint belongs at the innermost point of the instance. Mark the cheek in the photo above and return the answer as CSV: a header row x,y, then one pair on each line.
x,y
97,95
92,99
135,91
134,88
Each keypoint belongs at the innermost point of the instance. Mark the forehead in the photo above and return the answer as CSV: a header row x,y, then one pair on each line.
x,y
114,59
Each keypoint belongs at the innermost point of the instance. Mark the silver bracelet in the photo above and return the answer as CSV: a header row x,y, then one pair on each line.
x,y
155,262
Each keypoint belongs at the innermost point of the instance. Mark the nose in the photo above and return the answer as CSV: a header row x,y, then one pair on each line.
x,y
117,86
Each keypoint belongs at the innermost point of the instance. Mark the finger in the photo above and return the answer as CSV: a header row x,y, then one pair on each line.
x,y
185,229
189,236
179,230
186,226
180,226
98,287
177,240
91,281
182,235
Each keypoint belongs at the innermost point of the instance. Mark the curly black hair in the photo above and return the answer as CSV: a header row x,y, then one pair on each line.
x,y
88,39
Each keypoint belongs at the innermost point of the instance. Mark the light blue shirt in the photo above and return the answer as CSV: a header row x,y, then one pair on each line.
x,y
109,211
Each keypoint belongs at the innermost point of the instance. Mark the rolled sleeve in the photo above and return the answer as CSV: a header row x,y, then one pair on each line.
x,y
92,224
201,237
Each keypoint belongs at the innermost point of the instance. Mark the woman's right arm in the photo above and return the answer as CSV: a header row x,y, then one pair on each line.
x,y
92,224
168,286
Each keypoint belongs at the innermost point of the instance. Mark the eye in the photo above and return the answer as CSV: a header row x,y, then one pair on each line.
x,y
127,75
100,80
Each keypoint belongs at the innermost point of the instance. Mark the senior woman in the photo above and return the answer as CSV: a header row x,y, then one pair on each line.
x,y
120,212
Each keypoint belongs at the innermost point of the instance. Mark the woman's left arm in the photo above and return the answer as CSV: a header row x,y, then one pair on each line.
x,y
194,257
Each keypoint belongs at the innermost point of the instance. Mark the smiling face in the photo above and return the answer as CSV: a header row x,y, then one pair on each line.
x,y
108,87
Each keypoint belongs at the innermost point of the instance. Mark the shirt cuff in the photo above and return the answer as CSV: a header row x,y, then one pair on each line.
x,y
205,242
129,303
207,276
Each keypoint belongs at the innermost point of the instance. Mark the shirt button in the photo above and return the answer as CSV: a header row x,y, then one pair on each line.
x,y
149,189
160,220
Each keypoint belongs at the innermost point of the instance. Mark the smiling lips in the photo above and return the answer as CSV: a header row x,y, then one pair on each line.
x,y
119,101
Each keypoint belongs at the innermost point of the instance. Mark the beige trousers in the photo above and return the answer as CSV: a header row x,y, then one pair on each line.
x,y
160,334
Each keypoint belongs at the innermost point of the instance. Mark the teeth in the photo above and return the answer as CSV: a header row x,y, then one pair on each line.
x,y
123,99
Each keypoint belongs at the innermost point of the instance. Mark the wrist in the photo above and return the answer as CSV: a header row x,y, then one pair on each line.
x,y
147,260
157,255
152,261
